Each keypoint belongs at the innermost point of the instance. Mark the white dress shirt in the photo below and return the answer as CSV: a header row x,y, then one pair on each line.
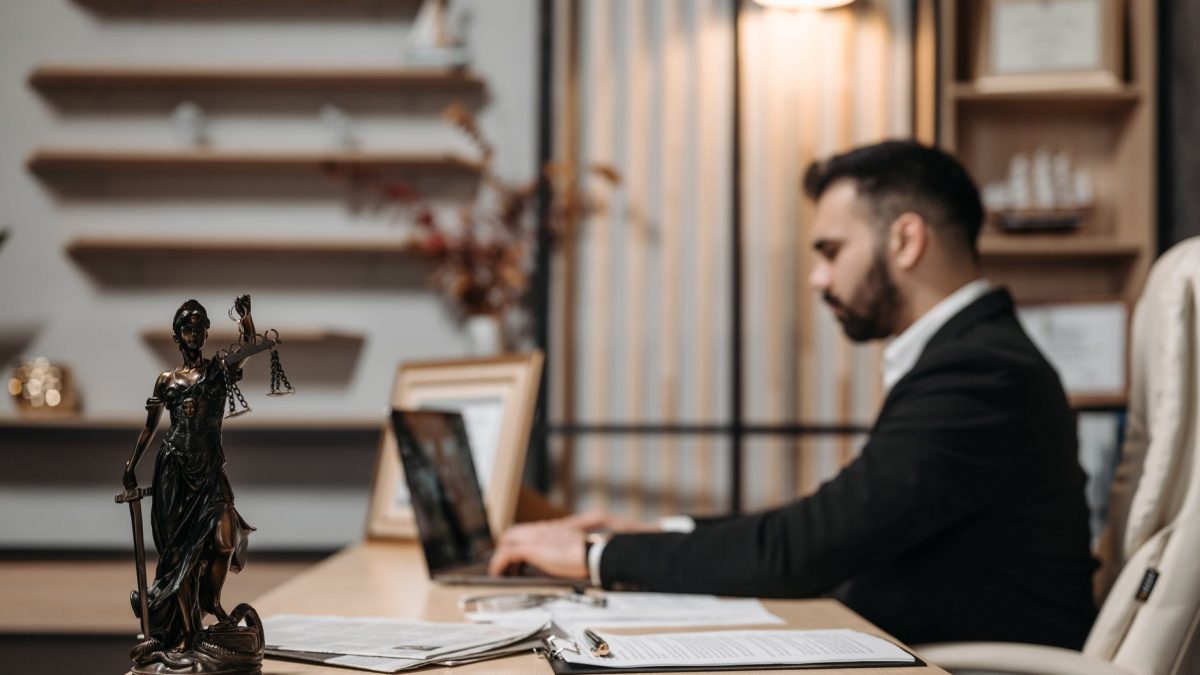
x,y
902,353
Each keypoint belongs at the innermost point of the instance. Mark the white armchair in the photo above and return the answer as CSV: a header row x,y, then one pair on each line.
x,y
1148,624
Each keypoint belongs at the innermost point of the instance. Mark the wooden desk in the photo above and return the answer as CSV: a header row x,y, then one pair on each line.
x,y
91,597
389,579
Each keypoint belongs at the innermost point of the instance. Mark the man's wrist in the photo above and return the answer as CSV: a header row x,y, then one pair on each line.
x,y
684,524
593,549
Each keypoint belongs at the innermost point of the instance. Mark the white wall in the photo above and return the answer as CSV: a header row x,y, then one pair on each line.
x,y
95,329
52,306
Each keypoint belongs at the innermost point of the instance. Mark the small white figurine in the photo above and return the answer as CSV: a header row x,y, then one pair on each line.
x,y
341,128
1064,182
1042,180
431,42
1085,195
191,125
995,196
1018,182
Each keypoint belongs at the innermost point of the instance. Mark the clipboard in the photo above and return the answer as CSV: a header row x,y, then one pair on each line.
x,y
562,666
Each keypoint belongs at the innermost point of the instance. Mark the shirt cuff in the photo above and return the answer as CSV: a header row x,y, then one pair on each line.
x,y
684,524
593,561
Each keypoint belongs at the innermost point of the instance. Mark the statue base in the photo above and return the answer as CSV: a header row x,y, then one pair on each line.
x,y
197,667
224,648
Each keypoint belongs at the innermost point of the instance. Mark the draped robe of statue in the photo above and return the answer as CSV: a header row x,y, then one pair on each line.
x,y
191,494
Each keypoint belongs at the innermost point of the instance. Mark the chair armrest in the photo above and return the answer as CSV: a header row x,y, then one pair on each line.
x,y
1007,657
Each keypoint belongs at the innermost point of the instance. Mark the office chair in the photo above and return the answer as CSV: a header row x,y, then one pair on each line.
x,y
1149,621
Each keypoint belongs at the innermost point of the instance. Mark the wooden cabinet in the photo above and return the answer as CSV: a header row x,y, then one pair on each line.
x,y
1108,131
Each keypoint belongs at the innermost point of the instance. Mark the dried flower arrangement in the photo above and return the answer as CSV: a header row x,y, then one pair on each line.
x,y
482,264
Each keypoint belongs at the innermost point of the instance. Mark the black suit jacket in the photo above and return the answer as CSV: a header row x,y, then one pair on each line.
x,y
963,518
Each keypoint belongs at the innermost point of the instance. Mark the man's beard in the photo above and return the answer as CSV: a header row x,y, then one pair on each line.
x,y
871,312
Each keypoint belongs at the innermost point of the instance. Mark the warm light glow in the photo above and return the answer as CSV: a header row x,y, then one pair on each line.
x,y
803,4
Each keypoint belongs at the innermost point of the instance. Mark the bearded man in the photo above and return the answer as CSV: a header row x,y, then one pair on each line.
x,y
963,518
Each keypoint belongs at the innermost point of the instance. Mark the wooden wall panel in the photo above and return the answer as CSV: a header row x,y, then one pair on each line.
x,y
649,297
817,83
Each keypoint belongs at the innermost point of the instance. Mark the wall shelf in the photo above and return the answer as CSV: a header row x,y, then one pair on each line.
x,y
1098,402
53,79
118,247
368,8
1107,131
294,335
1034,246
51,163
127,425
965,93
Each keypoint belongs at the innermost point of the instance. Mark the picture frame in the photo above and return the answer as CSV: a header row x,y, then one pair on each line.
x,y
1087,342
1032,45
497,397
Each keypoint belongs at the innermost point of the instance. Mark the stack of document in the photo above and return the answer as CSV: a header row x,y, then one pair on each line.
x,y
390,645
639,610
749,649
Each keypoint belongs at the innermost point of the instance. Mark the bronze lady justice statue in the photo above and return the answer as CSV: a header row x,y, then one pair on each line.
x,y
197,531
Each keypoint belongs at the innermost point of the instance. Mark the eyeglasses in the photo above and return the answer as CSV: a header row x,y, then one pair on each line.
x,y
511,602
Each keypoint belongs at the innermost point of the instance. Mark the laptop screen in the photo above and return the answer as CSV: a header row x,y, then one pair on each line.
x,y
444,489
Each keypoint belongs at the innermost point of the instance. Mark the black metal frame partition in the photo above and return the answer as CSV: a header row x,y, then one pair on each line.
x,y
538,471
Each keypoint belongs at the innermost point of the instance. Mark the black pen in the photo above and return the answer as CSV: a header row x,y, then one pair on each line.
x,y
596,644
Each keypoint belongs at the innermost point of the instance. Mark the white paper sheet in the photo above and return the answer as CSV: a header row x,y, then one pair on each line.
x,y
388,638
634,610
381,664
742,648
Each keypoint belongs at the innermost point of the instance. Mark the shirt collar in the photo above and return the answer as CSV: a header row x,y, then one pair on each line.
x,y
901,354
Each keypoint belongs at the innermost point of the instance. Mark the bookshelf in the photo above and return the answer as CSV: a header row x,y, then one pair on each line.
x,y
1110,131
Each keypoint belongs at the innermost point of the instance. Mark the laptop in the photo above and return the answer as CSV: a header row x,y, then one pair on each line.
x,y
447,503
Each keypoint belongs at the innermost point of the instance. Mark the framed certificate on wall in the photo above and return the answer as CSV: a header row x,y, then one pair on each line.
x,y
1048,44
1086,342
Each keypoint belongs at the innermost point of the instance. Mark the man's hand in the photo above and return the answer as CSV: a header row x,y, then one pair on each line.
x,y
553,546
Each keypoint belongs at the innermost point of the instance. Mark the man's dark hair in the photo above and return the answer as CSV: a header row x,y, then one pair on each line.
x,y
897,177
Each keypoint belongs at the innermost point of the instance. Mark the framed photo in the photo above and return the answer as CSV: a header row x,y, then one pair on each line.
x,y
1086,343
496,397
1027,45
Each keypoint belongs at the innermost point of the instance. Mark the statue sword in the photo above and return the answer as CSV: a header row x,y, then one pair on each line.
x,y
133,496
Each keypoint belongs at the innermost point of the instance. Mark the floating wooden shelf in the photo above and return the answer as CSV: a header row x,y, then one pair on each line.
x,y
1098,402
84,424
1093,99
282,7
97,79
1020,246
54,162
87,247
288,335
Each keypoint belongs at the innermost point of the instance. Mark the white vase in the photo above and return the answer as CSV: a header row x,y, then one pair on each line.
x,y
483,335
